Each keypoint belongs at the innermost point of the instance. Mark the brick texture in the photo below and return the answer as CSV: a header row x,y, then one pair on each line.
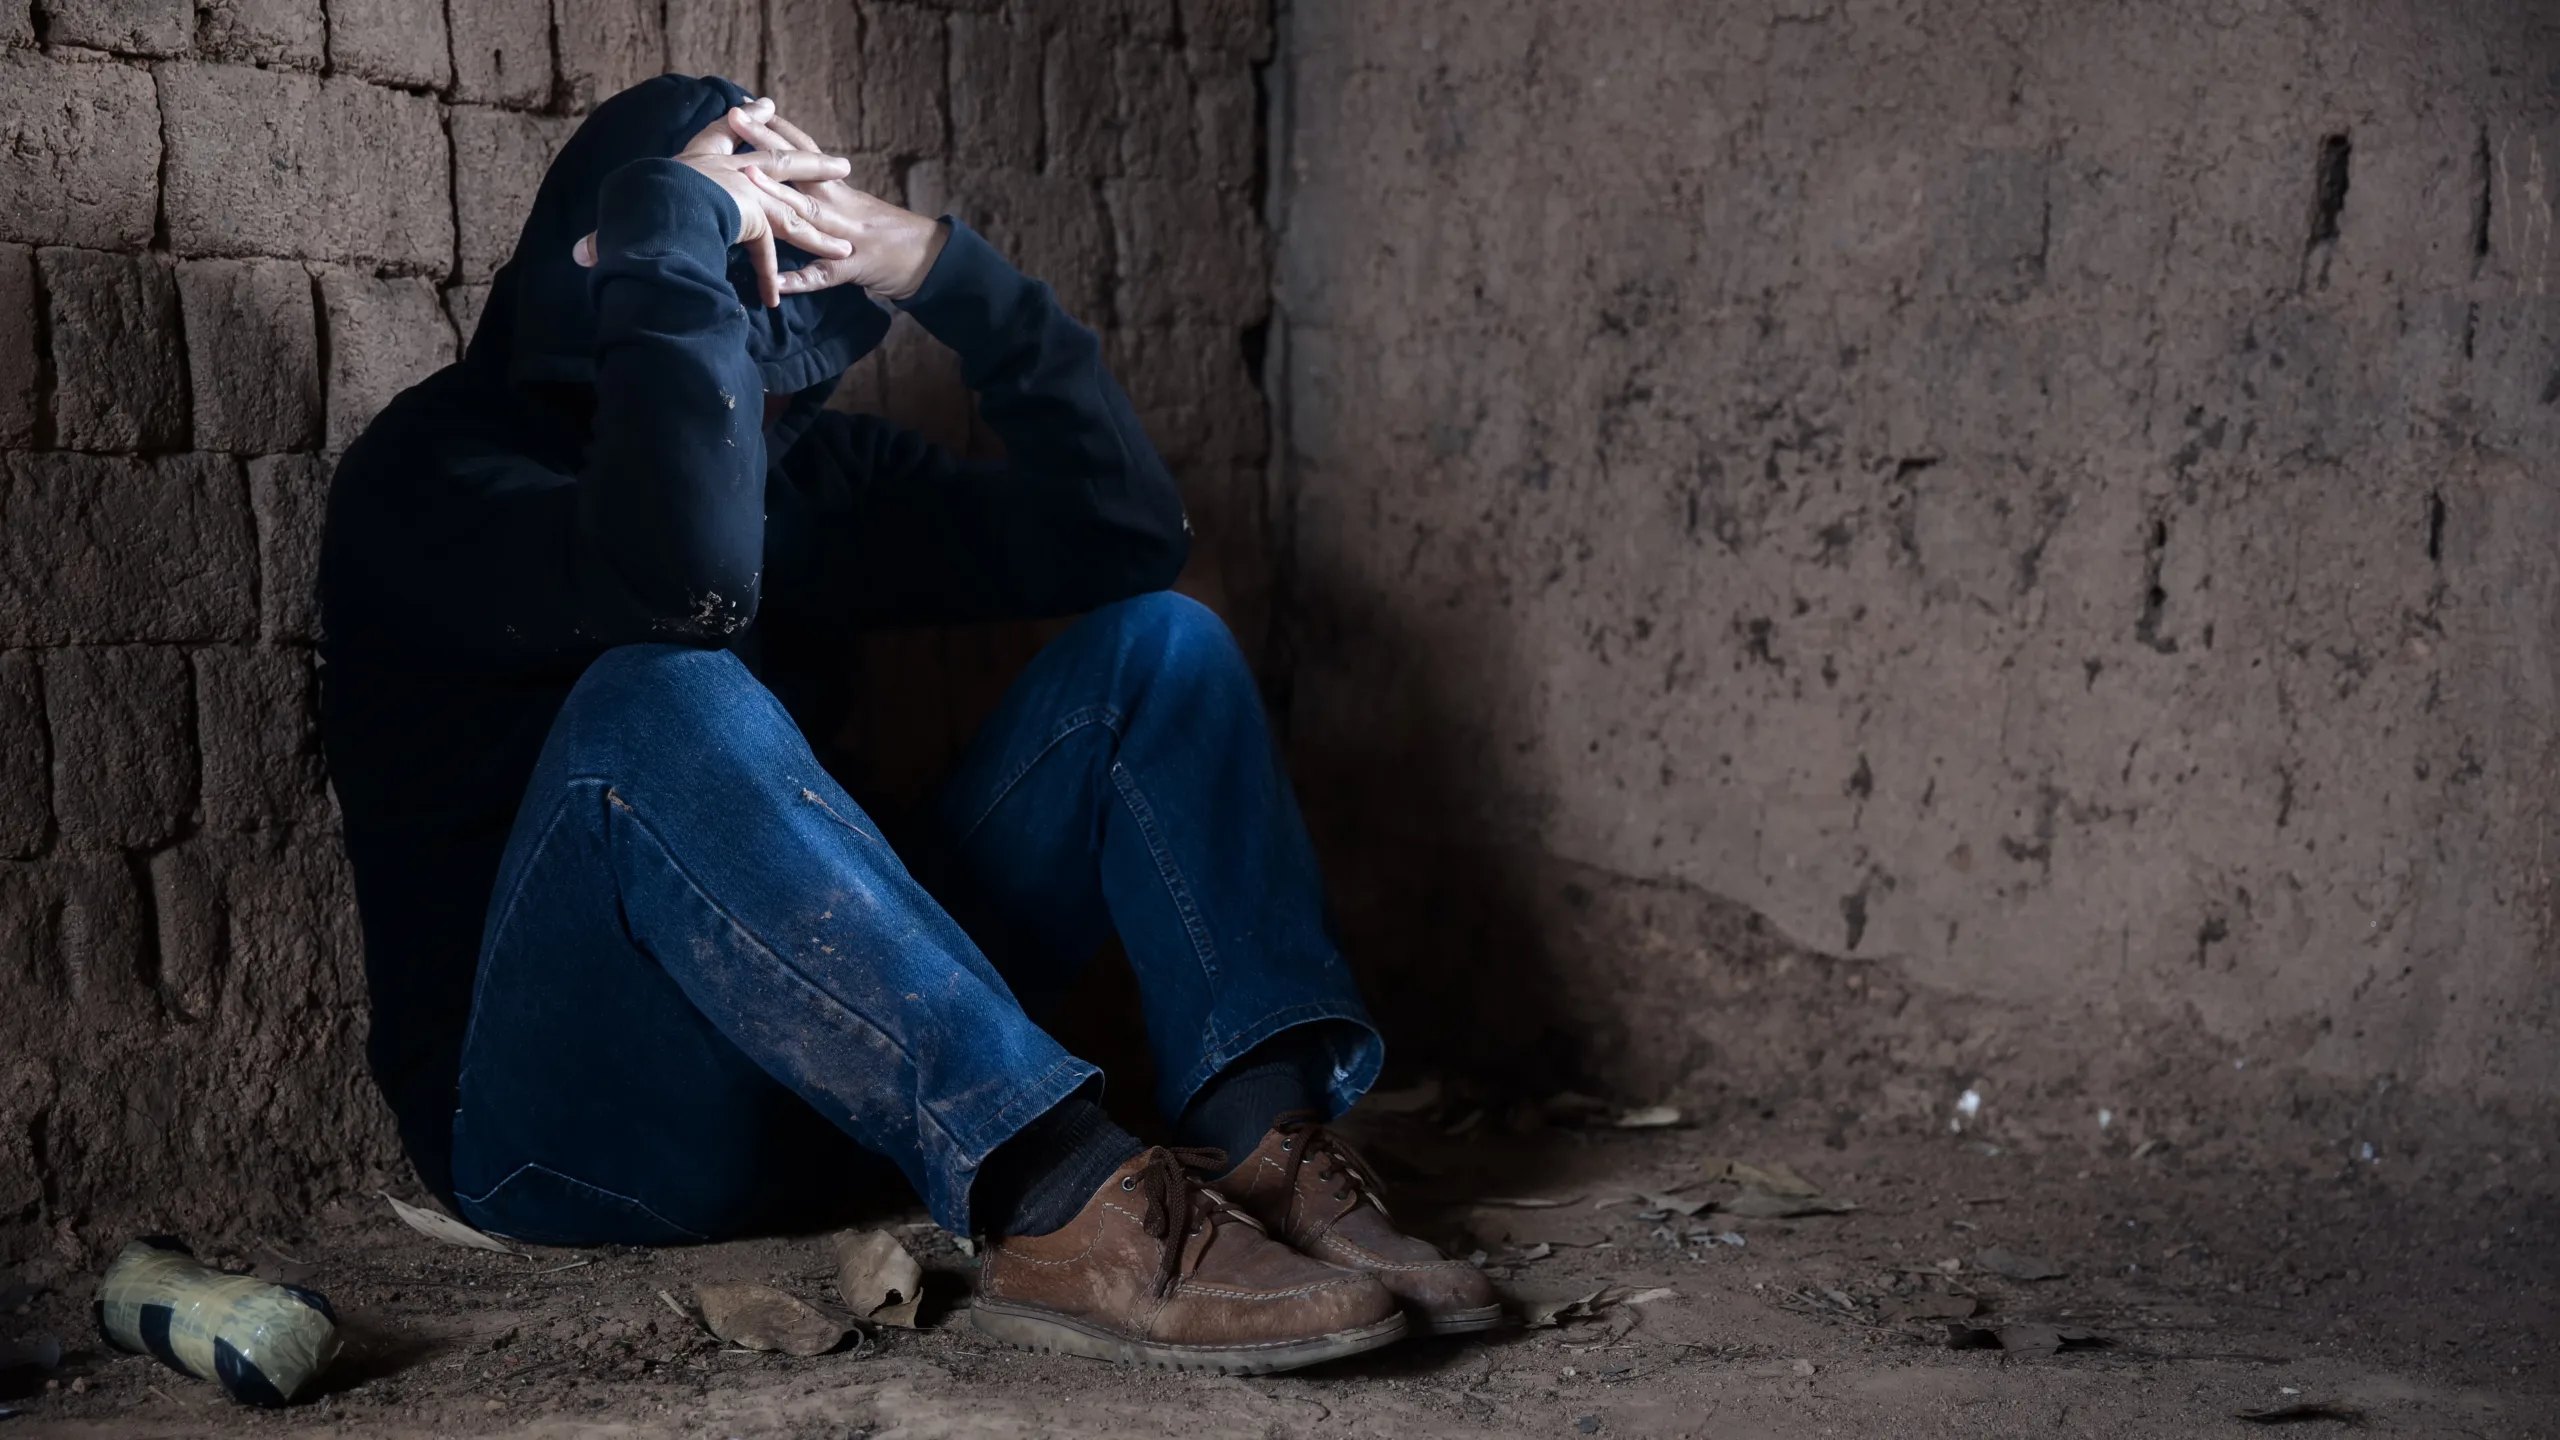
x,y
230,232
501,51
384,336
127,27
716,37
289,495
79,152
124,761
289,33
253,355
119,367
499,157
257,729
607,46
20,367
264,163
398,42
105,548
26,785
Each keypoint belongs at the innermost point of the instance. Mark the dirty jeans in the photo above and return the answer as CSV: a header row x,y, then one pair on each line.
x,y
700,952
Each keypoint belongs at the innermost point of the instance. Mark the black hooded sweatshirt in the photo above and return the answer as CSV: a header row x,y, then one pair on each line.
x,y
485,541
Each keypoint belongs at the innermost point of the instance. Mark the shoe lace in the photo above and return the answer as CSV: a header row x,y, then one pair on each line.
x,y
1179,1202
1304,1136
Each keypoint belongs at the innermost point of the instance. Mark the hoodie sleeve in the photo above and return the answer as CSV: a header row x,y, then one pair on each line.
x,y
667,541
871,523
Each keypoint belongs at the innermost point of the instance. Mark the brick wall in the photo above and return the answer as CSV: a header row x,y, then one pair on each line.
x,y
228,234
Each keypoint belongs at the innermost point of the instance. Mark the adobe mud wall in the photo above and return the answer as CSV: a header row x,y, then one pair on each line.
x,y
227,235
2052,506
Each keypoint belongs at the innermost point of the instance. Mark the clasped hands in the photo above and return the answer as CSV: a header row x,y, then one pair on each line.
x,y
788,189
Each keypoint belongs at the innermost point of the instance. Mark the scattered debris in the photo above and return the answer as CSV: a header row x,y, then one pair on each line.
x,y
1680,1205
878,1279
2015,1266
759,1317
436,1225
1539,1251
1650,1117
2301,1414
1647,1297
1936,1307
1717,1237
1761,1205
1587,1425
2025,1338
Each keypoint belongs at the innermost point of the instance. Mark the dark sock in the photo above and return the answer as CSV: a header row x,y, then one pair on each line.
x,y
1235,1110
1039,1179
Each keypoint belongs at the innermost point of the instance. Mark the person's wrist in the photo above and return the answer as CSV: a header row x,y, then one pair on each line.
x,y
928,246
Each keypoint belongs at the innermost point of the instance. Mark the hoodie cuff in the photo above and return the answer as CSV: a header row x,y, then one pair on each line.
x,y
972,296
655,206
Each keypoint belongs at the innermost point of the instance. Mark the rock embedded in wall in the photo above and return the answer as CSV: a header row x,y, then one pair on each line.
x,y
499,158
84,557
119,369
82,162
124,756
253,355
122,27
263,162
290,34
20,365
384,336
501,51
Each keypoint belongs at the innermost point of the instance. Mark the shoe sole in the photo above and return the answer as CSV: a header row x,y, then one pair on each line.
x,y
1050,1333
1457,1322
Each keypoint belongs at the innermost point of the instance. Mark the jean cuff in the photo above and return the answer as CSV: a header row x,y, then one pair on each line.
x,y
1355,1067
958,1170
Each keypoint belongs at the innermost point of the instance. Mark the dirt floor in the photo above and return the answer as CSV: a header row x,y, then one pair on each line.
x,y
2321,1298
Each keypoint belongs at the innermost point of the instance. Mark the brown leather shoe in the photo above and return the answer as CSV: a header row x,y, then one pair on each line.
x,y
1309,1187
1158,1269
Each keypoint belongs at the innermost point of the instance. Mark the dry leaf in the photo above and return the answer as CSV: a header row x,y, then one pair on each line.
x,y
1539,1251
1761,1205
2017,1266
1651,1117
759,1317
1540,1312
438,1226
1680,1205
1774,1178
878,1279
1647,1297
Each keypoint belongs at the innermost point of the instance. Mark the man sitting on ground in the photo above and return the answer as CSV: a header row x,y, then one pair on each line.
x,y
640,966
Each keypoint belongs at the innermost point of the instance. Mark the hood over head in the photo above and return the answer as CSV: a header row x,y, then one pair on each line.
x,y
539,325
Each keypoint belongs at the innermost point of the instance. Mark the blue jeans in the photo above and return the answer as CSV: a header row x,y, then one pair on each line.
x,y
703,966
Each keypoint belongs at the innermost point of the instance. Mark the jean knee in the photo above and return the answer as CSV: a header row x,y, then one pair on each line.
x,y
1174,635
659,696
